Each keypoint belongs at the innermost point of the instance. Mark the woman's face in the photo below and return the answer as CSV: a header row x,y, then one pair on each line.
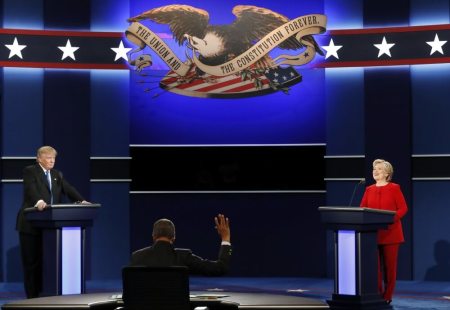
x,y
379,172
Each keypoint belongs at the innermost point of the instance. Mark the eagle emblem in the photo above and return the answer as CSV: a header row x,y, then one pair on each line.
x,y
233,59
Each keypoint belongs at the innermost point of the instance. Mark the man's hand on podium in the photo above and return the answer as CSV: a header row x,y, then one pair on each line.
x,y
40,205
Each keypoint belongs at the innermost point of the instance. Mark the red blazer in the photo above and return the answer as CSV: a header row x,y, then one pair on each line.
x,y
388,197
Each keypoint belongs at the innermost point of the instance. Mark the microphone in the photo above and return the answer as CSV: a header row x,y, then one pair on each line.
x,y
362,181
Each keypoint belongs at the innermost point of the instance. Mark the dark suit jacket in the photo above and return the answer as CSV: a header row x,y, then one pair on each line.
x,y
163,254
35,188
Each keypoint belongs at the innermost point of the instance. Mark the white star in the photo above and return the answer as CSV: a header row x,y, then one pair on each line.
x,y
68,50
384,48
298,290
15,49
121,51
332,49
216,289
436,45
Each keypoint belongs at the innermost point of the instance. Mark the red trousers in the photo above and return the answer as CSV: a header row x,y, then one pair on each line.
x,y
387,269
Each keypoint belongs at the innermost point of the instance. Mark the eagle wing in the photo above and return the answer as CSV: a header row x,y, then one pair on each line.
x,y
182,19
255,22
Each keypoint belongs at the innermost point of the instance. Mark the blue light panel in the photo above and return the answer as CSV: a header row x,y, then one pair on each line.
x,y
346,262
71,260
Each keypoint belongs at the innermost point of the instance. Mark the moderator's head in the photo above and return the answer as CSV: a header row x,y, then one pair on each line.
x,y
163,229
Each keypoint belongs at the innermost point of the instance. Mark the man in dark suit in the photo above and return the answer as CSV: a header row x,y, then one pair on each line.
x,y
162,253
42,186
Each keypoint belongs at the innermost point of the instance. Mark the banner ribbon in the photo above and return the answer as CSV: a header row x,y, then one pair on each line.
x,y
298,27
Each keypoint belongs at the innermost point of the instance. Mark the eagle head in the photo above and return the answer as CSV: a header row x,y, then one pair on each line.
x,y
211,45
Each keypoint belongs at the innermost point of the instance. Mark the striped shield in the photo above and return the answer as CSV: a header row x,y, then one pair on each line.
x,y
247,83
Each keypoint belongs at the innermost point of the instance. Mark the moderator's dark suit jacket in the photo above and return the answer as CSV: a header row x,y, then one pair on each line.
x,y
35,187
163,254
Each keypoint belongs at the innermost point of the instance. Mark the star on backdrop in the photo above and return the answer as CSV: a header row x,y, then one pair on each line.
x,y
68,50
384,48
332,49
298,290
436,45
121,51
15,49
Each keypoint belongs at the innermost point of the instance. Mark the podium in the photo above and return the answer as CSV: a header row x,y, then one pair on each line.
x,y
355,255
64,236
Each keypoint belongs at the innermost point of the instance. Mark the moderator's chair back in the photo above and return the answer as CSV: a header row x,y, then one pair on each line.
x,y
160,288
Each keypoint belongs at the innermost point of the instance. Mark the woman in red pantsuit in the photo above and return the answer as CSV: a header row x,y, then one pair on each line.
x,y
386,195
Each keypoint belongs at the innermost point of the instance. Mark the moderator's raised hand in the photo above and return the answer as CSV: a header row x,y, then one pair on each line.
x,y
223,227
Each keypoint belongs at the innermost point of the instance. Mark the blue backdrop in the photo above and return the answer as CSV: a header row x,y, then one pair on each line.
x,y
297,117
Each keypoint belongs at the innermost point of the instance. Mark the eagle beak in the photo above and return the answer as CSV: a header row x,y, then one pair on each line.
x,y
190,41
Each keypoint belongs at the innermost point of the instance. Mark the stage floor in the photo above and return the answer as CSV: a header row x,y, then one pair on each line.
x,y
223,300
417,295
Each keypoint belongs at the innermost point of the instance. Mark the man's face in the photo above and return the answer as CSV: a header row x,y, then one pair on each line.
x,y
47,160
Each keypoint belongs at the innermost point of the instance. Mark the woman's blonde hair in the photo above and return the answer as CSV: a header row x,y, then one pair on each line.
x,y
387,168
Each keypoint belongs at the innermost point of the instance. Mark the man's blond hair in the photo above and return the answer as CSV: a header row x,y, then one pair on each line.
x,y
46,150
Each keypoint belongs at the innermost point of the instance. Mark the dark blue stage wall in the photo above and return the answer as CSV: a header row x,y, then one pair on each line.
x,y
397,113
84,115
245,157
266,161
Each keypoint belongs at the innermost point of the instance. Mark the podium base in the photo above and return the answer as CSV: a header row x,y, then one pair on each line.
x,y
366,302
